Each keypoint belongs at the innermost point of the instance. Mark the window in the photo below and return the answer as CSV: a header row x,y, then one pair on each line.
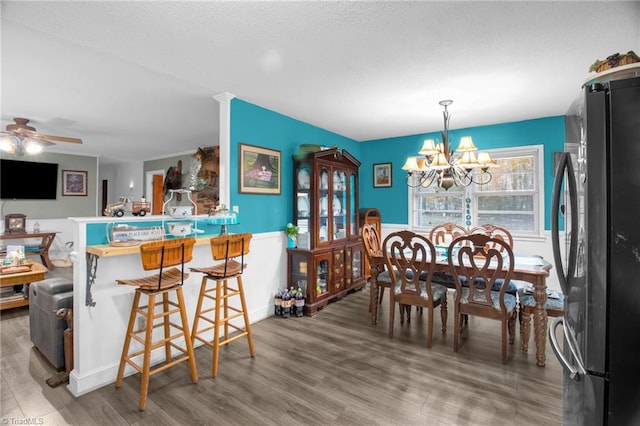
x,y
513,198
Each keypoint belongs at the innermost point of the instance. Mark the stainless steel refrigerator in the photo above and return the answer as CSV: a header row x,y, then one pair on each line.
x,y
596,243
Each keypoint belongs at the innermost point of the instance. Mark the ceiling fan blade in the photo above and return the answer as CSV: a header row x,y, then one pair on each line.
x,y
40,136
22,131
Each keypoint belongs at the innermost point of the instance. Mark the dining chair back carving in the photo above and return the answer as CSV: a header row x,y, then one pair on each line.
x,y
486,264
224,248
159,255
495,231
411,260
380,278
444,233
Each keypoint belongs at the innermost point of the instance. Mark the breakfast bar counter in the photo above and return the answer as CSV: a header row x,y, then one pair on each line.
x,y
102,308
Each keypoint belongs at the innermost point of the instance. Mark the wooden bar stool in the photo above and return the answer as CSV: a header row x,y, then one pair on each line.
x,y
224,248
157,256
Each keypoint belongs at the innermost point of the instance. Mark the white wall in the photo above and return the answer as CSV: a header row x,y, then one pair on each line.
x,y
121,177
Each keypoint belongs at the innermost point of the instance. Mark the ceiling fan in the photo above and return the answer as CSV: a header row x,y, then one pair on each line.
x,y
20,138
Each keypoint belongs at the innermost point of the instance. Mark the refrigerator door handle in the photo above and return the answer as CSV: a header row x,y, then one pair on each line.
x,y
574,371
564,164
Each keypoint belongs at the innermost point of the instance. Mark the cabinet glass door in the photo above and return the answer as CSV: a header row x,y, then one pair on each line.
x,y
356,265
303,198
299,267
339,204
323,208
353,218
322,275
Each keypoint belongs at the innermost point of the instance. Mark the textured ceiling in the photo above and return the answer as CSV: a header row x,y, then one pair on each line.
x,y
136,80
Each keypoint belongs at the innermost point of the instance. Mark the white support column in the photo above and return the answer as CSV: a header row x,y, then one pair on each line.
x,y
225,146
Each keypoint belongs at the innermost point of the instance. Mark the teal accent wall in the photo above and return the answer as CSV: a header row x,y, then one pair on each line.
x,y
392,202
254,125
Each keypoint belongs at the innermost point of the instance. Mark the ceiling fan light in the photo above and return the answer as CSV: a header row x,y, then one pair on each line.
x,y
7,144
32,147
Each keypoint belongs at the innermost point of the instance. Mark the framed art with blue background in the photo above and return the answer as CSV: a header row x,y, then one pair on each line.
x,y
382,175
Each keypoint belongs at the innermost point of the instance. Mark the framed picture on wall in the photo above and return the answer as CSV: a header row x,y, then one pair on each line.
x,y
382,175
74,183
259,169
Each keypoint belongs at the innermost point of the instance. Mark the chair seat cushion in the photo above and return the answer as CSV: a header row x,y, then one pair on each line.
x,y
555,301
384,277
439,291
509,299
512,287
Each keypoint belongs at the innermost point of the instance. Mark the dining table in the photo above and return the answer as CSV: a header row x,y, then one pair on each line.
x,y
533,269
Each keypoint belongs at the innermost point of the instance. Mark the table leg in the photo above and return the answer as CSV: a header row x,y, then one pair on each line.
x,y
47,261
44,251
373,301
540,320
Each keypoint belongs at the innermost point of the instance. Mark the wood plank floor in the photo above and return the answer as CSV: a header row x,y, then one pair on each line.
x,y
330,369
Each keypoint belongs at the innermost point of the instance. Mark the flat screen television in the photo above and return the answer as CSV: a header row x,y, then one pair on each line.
x,y
28,180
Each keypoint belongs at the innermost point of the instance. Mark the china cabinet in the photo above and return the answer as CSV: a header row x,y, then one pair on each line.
x,y
328,262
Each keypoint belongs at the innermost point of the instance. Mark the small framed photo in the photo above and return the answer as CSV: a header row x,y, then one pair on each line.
x,y
382,175
259,169
74,183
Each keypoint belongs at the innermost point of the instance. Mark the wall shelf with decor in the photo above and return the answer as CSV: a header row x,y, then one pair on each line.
x,y
328,261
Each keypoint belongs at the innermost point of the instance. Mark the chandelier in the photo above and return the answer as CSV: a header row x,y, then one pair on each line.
x,y
445,167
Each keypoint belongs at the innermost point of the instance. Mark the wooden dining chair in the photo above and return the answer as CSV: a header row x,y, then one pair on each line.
x,y
380,278
444,233
482,268
441,235
515,287
500,233
409,258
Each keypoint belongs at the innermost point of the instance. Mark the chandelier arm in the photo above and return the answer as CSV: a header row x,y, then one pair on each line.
x,y
428,178
410,179
462,176
482,178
